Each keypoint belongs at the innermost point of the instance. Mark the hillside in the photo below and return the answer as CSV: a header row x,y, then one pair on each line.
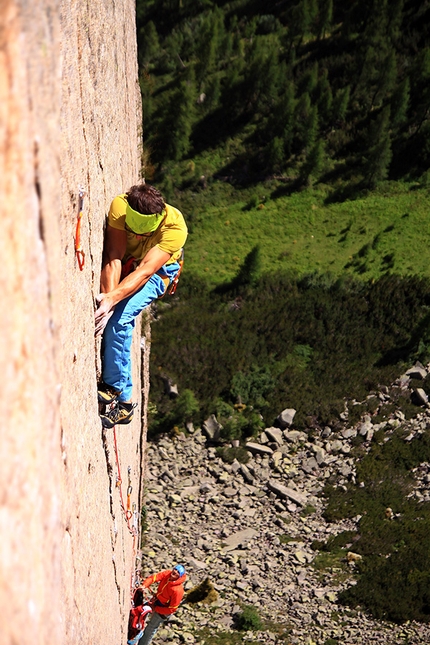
x,y
294,137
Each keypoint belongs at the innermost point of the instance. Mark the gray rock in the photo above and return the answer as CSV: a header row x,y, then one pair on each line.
x,y
212,428
310,466
258,449
421,396
246,473
336,445
232,542
349,433
294,435
418,371
285,419
287,493
275,434
320,455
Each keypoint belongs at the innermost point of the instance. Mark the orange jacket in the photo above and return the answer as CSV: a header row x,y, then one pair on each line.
x,y
169,593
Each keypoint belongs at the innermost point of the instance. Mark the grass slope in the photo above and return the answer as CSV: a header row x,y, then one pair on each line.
x,y
386,230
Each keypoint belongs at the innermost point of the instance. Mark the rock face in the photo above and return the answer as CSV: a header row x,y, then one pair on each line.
x,y
70,116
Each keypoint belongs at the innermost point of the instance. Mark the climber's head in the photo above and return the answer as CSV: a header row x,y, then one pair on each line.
x,y
145,209
177,572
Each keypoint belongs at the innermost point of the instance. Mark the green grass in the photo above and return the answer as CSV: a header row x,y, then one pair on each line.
x,y
384,231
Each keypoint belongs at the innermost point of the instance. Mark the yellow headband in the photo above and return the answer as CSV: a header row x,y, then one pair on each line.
x,y
140,223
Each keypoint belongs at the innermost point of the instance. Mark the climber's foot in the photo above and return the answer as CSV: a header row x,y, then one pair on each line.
x,y
121,413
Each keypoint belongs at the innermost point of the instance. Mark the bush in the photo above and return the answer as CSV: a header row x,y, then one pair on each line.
x,y
230,454
248,619
309,341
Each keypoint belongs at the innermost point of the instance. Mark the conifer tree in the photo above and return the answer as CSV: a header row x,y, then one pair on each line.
x,y
379,153
250,269
209,39
150,45
421,88
311,129
340,104
314,163
324,96
181,116
325,17
386,78
400,102
309,81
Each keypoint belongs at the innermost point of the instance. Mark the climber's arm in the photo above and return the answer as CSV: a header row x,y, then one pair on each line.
x,y
113,252
151,263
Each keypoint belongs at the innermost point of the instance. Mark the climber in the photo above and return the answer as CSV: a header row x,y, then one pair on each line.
x,y
166,601
142,250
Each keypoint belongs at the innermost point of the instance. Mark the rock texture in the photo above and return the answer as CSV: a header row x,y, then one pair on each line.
x,y
250,529
69,117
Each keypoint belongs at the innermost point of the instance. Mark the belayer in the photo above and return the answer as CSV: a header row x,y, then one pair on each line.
x,y
166,601
141,260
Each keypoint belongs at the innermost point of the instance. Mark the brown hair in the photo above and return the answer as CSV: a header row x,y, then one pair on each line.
x,y
145,199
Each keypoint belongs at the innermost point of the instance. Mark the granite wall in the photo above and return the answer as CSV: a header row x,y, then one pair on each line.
x,y
70,118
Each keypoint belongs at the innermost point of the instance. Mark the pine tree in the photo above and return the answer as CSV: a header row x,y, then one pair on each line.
x,y
276,155
386,78
325,18
309,81
150,45
379,153
180,117
324,96
314,163
340,104
209,39
400,103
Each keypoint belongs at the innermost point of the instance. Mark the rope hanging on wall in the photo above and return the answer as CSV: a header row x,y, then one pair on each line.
x,y
130,513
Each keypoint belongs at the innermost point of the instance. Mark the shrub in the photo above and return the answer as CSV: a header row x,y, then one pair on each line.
x,y
248,619
230,454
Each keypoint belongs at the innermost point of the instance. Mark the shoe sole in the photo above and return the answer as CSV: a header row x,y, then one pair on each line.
x,y
108,423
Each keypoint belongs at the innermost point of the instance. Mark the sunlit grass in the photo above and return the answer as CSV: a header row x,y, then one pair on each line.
x,y
385,231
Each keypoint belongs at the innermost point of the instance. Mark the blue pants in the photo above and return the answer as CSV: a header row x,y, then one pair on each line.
x,y
118,333
151,628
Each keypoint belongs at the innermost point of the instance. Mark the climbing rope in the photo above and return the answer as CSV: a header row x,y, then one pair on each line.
x,y
130,515
80,254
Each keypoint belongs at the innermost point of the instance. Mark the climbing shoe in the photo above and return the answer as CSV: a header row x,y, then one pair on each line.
x,y
107,394
121,413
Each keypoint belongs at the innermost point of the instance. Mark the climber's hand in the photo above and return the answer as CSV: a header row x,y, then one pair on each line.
x,y
103,312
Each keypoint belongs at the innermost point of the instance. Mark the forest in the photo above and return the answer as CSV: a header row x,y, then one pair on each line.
x,y
295,137
314,90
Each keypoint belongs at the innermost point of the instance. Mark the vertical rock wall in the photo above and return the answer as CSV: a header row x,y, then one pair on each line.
x,y
70,116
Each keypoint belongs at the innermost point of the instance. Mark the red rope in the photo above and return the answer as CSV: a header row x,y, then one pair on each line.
x,y
126,512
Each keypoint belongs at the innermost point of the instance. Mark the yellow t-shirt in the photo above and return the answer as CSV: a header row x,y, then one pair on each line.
x,y
170,236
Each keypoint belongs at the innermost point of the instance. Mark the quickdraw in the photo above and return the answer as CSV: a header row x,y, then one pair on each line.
x,y
125,509
80,253
129,512
175,280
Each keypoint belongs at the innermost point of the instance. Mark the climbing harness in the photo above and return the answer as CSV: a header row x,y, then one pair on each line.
x,y
170,287
80,253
